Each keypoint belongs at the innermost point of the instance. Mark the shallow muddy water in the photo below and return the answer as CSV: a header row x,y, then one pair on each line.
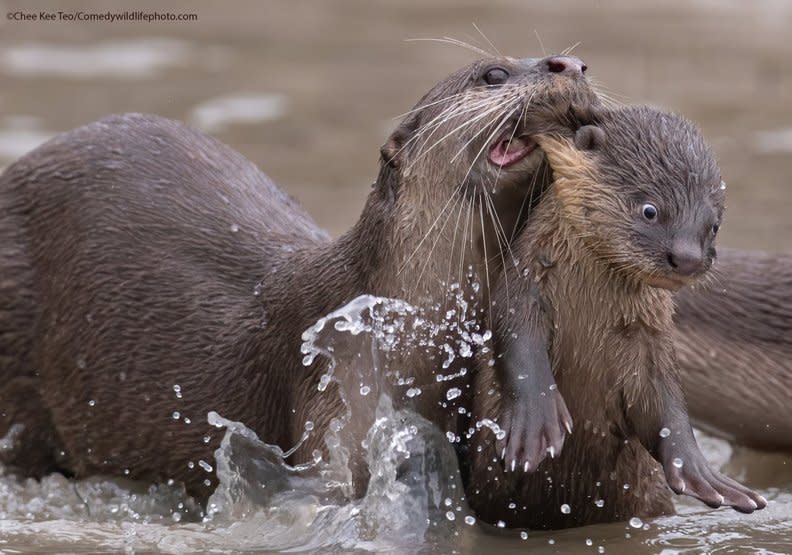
x,y
309,91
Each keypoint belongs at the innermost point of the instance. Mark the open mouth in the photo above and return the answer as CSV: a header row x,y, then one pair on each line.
x,y
510,149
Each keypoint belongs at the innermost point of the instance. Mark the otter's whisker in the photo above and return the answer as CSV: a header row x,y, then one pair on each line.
x,y
454,42
428,231
567,51
423,151
486,38
430,104
457,199
464,147
541,44
453,244
501,238
486,263
484,145
529,197
430,127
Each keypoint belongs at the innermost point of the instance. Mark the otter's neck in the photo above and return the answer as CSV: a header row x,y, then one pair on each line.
x,y
427,242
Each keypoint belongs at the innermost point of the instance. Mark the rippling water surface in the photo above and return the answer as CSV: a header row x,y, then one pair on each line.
x,y
309,91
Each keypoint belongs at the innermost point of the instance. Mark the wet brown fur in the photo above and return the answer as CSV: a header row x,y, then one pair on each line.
x,y
610,343
596,354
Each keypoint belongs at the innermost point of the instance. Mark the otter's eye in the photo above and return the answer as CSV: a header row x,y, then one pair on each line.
x,y
649,211
715,228
496,76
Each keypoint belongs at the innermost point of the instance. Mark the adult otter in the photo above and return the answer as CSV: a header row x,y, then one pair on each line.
x,y
151,274
734,343
631,216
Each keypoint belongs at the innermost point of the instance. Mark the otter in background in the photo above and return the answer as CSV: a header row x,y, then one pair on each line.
x,y
734,343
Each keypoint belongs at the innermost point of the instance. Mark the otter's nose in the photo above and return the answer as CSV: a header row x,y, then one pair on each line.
x,y
566,65
685,259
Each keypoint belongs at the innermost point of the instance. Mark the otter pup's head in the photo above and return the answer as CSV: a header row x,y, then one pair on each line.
x,y
642,187
471,133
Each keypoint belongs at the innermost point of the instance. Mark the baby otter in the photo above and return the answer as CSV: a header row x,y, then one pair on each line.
x,y
632,216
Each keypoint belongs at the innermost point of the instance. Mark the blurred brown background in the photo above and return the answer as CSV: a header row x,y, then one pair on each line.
x,y
309,90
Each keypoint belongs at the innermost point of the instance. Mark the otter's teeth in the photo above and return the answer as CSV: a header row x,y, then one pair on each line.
x,y
514,144
509,149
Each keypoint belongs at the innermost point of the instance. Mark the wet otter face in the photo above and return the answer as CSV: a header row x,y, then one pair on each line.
x,y
651,197
472,132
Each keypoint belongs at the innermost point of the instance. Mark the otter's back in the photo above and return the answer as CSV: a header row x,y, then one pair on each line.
x,y
134,199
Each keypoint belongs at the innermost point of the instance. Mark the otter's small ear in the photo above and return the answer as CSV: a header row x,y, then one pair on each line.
x,y
393,151
589,137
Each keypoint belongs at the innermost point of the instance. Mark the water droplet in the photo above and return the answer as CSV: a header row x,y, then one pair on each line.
x,y
601,549
91,403
205,465
665,432
365,390
523,535
636,522
187,420
309,426
512,505
500,524
450,515
589,542
451,436
176,415
81,364
551,541
207,439
207,482
599,503
677,462
234,228
447,502
470,520
453,393
413,392
190,465
176,516
626,486
566,509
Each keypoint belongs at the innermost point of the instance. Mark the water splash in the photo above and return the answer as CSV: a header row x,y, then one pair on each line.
x,y
414,499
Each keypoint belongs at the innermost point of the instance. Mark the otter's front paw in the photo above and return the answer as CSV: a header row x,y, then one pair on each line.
x,y
688,473
536,426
